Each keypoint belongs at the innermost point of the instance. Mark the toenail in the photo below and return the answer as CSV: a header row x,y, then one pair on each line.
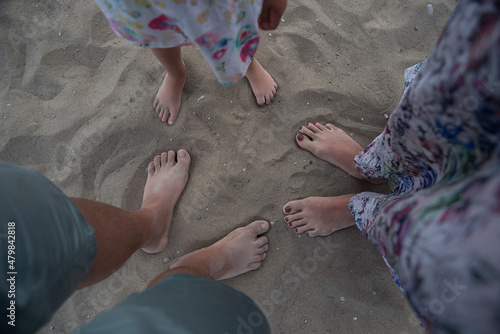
x,y
182,154
314,123
296,230
286,219
307,233
307,123
300,127
300,137
289,224
288,209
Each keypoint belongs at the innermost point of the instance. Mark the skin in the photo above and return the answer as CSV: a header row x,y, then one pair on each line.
x,y
119,233
271,13
321,216
239,252
168,100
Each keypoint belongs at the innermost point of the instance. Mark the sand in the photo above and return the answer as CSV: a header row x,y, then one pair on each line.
x,y
75,105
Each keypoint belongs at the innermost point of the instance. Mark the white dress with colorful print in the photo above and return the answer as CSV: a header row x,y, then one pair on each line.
x,y
226,32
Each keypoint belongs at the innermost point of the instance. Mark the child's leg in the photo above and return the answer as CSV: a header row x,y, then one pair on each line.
x,y
263,86
168,99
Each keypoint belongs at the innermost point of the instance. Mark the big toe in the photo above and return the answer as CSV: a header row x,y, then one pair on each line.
x,y
258,227
261,100
173,116
183,158
291,207
304,141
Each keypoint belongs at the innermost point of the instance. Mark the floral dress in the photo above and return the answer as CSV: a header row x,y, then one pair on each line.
x,y
439,228
225,31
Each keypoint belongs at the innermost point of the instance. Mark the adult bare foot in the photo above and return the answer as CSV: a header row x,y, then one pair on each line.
x,y
263,85
319,216
333,145
239,252
167,177
168,99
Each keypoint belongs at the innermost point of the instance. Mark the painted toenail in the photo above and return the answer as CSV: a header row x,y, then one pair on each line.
x,y
307,123
300,127
288,209
307,233
296,230
286,219
289,224
300,137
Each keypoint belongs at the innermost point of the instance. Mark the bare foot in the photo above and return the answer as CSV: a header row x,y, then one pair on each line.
x,y
333,145
319,216
263,86
239,252
168,99
165,183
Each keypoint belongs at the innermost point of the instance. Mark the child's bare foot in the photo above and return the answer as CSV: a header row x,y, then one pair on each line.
x,y
168,99
319,216
239,252
263,86
167,177
333,145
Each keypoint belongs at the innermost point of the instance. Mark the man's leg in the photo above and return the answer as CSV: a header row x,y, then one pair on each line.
x,y
119,233
187,299
240,251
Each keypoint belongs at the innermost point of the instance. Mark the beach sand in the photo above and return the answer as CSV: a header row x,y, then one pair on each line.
x,y
75,105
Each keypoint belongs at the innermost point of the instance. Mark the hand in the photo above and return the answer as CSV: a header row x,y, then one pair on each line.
x,y
271,13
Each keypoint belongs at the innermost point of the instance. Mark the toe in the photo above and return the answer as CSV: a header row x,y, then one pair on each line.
x,y
307,131
173,117
254,265
151,168
262,249
313,233
320,126
269,98
299,138
305,142
294,216
164,114
163,158
183,157
302,229
259,257
260,242
291,207
170,158
313,126
330,126
258,227
157,162
296,222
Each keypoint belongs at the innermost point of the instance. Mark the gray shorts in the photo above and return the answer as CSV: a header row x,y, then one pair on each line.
x,y
52,248
182,304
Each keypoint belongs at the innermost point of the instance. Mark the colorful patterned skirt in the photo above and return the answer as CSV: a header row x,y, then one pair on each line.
x,y
226,32
439,228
